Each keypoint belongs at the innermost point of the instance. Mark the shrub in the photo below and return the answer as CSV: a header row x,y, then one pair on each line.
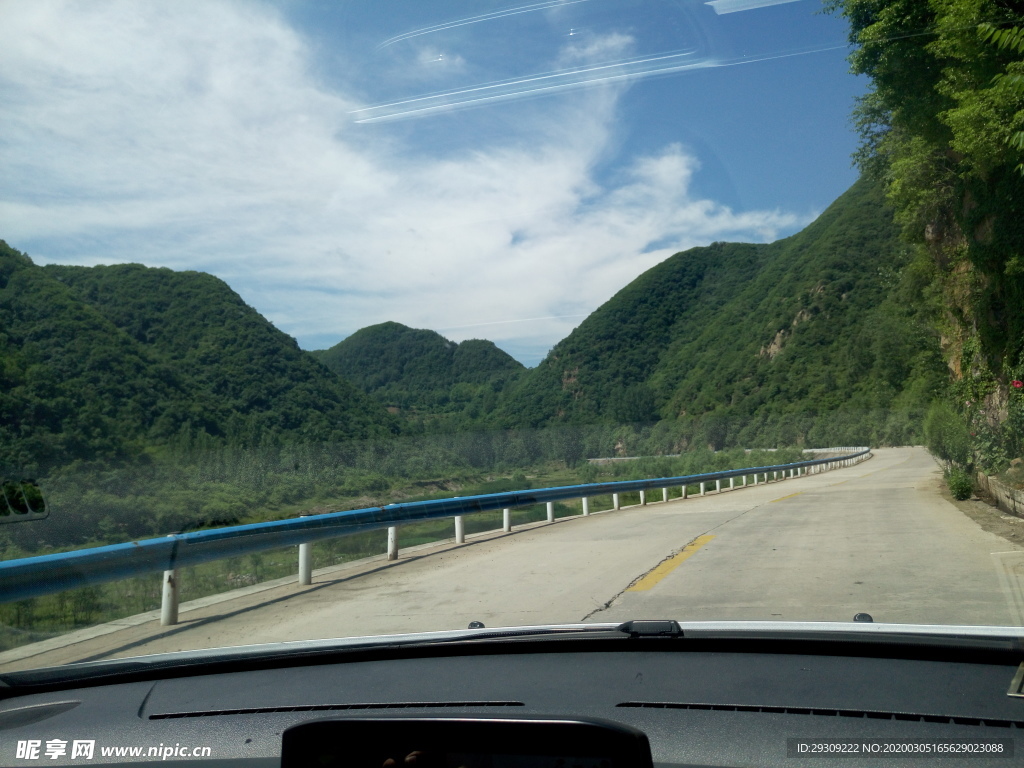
x,y
947,434
960,484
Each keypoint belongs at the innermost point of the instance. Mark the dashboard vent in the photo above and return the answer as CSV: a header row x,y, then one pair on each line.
x,y
868,713
336,708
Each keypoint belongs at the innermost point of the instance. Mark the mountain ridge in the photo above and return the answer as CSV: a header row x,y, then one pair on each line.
x,y
115,360
801,327
822,337
417,371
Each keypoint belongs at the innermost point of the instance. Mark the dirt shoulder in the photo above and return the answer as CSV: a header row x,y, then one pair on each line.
x,y
989,517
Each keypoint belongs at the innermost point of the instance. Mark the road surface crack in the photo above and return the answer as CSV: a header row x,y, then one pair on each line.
x,y
675,553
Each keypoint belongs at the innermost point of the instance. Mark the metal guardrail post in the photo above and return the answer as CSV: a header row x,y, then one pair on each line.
x,y
664,494
460,530
506,520
305,562
615,501
392,542
551,511
684,490
643,498
718,485
586,506
701,487
169,599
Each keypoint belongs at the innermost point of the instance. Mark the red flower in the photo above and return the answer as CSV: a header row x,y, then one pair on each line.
x,y
1017,383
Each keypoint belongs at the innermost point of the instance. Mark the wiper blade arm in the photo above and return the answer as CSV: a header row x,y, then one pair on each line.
x,y
651,628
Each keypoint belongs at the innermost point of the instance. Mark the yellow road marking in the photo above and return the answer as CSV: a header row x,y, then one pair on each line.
x,y
783,498
665,567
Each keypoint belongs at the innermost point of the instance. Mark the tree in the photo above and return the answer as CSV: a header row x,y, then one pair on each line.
x,y
943,127
1013,40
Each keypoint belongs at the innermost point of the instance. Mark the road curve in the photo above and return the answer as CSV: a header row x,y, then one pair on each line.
x,y
877,538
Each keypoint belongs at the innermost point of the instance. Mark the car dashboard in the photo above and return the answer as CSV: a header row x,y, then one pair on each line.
x,y
711,701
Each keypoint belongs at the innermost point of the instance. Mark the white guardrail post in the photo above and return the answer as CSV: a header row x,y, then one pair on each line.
x,y
506,520
664,494
615,501
460,530
393,542
643,498
305,562
702,488
586,506
551,511
169,599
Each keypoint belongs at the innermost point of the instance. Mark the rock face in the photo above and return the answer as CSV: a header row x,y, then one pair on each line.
x,y
772,349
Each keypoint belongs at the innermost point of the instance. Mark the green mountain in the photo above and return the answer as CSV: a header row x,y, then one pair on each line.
x,y
821,335
422,374
104,361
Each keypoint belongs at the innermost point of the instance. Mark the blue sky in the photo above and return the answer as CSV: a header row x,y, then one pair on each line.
x,y
485,169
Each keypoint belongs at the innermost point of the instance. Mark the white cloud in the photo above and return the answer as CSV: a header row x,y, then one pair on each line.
x,y
193,135
588,49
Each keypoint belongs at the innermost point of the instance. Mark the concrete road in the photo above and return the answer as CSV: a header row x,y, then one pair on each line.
x,y
877,537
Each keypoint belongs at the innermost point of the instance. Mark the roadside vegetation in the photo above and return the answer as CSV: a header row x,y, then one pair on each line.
x,y
942,130
38,618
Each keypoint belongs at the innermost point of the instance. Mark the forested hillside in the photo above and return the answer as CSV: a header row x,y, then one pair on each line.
x,y
421,374
942,129
101,362
824,337
818,338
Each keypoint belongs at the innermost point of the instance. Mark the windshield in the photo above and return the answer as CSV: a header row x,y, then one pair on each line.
x,y
305,307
